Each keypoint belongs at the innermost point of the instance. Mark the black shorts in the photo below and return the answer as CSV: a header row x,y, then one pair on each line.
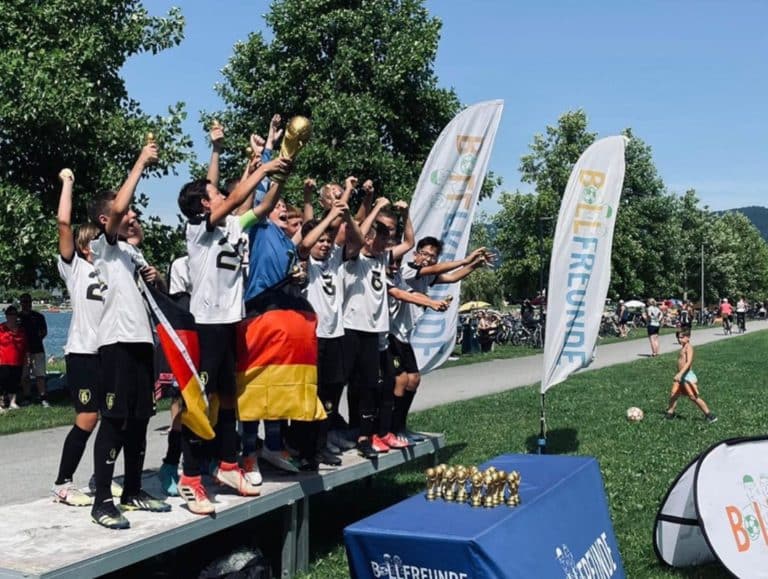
x,y
83,380
217,357
126,388
403,357
653,330
10,379
330,360
361,359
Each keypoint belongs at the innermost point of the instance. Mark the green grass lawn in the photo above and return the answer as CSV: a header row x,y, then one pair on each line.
x,y
586,416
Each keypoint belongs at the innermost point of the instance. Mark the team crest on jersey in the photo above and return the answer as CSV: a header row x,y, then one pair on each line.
x,y
84,395
204,377
110,400
396,362
112,453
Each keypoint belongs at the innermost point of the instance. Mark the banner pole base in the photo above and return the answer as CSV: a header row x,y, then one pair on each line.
x,y
541,442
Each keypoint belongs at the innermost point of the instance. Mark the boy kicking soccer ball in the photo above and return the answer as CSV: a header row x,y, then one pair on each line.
x,y
685,381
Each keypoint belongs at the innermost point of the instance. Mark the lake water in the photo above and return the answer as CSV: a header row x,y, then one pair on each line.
x,y
58,326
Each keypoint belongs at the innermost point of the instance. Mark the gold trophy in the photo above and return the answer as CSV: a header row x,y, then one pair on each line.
x,y
461,481
488,486
439,474
215,124
513,483
297,133
150,139
431,480
498,494
476,492
449,483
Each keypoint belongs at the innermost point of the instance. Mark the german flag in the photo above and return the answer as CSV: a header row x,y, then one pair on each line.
x,y
177,333
277,360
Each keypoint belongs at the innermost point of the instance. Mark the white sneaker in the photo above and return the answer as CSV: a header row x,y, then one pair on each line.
x,y
44,404
231,475
69,494
13,406
251,469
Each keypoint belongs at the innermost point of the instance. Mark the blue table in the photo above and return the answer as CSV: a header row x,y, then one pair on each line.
x,y
562,529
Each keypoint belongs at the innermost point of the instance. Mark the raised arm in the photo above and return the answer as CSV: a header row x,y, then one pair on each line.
x,y
64,216
310,186
352,237
447,266
275,133
122,202
378,205
366,203
244,188
418,298
462,272
309,240
409,237
217,138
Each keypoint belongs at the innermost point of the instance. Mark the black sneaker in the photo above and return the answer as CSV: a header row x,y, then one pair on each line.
x,y
143,501
366,450
327,457
107,515
711,418
308,464
670,415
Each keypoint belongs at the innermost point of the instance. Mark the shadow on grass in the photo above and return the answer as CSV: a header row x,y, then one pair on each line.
x,y
559,441
446,453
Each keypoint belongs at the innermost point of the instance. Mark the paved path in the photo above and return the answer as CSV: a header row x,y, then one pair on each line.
x,y
29,460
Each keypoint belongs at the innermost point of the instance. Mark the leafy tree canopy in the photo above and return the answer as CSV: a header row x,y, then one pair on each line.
x,y
362,70
64,104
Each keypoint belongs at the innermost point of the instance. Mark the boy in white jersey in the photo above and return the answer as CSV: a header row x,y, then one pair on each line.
x,y
81,350
366,316
420,274
124,338
325,291
216,247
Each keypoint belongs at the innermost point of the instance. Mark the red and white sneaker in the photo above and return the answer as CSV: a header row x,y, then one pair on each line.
x,y
394,441
231,475
251,469
378,444
191,489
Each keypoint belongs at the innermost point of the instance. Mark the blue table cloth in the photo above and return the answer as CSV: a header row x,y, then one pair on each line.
x,y
561,529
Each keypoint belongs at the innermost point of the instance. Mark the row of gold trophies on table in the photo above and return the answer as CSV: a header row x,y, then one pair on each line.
x,y
487,488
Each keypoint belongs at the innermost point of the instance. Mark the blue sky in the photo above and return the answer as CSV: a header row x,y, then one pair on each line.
x,y
689,77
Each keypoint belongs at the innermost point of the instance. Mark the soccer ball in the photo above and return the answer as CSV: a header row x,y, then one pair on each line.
x,y
634,414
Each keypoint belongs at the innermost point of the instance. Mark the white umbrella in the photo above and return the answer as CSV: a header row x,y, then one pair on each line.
x,y
634,304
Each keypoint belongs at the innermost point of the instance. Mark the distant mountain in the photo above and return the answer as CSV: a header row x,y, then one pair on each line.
x,y
757,215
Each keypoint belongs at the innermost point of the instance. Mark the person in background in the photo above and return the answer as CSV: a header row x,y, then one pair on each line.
x,y
35,330
622,317
653,317
13,348
741,314
726,314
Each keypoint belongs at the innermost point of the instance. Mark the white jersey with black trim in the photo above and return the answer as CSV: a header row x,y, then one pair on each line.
x,y
402,315
412,276
216,270
178,277
125,317
85,291
365,294
325,291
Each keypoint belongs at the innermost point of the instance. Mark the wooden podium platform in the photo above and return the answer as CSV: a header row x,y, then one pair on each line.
x,y
44,540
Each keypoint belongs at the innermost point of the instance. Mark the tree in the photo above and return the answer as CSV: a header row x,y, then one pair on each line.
x,y
483,284
63,103
362,70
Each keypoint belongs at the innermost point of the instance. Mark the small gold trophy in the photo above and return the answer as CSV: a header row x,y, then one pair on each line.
x,y
431,480
297,134
488,485
498,489
461,481
449,484
476,492
150,139
513,483
250,152
215,124
439,474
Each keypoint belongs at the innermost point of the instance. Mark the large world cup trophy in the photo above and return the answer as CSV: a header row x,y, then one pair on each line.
x,y
297,133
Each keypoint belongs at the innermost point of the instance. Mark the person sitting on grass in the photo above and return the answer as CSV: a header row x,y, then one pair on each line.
x,y
685,381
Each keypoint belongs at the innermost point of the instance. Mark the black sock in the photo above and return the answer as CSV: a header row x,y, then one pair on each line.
x,y
106,449
408,400
194,450
133,452
398,415
226,434
74,447
173,454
